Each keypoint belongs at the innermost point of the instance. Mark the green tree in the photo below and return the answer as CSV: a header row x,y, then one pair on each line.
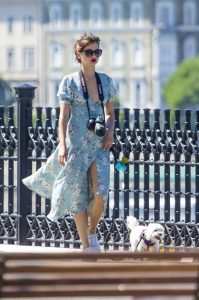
x,y
182,88
6,93
116,104
116,101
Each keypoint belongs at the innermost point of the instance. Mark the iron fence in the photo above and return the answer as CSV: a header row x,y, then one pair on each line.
x,y
161,182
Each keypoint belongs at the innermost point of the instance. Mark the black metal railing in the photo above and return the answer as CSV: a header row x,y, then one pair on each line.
x,y
161,182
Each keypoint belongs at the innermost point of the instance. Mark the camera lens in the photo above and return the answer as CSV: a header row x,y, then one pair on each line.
x,y
91,124
100,126
100,130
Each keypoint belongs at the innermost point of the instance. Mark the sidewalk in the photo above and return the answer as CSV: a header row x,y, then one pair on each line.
x,y
104,298
6,248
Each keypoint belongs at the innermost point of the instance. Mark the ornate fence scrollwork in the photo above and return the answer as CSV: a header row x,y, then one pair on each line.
x,y
161,182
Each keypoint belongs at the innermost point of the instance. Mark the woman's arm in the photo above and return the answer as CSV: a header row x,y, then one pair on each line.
x,y
63,121
110,124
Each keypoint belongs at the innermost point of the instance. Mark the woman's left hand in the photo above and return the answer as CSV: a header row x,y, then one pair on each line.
x,y
108,140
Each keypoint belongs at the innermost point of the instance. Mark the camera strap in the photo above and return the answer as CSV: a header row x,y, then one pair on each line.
x,y
85,91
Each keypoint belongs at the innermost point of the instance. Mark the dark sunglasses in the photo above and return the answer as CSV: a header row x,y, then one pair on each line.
x,y
90,52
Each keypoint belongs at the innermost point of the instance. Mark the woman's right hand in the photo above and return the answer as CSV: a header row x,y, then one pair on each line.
x,y
62,155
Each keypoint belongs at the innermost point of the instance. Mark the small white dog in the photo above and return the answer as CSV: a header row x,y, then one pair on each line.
x,y
144,237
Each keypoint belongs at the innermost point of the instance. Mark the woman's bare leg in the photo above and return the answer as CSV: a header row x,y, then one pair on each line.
x,y
98,204
81,221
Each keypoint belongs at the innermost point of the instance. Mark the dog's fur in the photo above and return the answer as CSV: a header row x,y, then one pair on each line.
x,y
143,237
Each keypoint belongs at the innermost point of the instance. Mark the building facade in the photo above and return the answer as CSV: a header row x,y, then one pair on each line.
x,y
20,47
143,41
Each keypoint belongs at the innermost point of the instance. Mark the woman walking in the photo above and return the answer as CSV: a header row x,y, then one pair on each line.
x,y
76,175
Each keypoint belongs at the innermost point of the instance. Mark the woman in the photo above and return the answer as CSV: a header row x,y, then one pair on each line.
x,y
76,175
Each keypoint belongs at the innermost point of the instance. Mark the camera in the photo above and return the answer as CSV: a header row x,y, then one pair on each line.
x,y
97,125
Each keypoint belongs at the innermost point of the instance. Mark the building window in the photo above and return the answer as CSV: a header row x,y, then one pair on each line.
x,y
27,24
189,47
165,54
55,15
28,59
117,56
139,93
10,59
168,52
116,14
75,16
122,92
53,89
165,13
10,24
100,63
72,59
56,55
137,53
189,13
136,13
96,14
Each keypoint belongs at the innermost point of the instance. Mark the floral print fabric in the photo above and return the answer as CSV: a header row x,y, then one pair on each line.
x,y
69,186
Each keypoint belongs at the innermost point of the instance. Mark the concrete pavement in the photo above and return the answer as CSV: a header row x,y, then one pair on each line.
x,y
7,248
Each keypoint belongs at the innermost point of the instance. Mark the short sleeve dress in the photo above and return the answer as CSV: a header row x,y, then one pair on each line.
x,y
69,186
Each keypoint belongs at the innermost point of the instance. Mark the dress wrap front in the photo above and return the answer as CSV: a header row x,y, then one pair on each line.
x,y
69,186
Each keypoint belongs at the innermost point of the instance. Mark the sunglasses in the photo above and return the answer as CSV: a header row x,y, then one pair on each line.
x,y
90,52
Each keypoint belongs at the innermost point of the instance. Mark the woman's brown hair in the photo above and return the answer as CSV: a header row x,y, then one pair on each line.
x,y
84,41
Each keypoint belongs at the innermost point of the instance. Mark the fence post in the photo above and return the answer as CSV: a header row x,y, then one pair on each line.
x,y
24,96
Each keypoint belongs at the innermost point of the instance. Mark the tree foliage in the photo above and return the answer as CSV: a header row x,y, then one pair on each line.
x,y
116,101
6,93
182,88
116,104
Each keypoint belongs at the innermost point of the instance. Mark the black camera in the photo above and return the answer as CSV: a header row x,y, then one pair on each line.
x,y
97,125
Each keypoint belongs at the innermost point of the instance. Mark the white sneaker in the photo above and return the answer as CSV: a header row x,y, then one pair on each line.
x,y
94,243
89,250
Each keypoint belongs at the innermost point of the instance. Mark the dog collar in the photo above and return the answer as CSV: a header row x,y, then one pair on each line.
x,y
147,242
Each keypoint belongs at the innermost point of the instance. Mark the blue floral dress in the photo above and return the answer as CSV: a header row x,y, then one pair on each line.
x,y
69,186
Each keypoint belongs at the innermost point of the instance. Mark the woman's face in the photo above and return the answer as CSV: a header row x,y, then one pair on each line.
x,y
90,55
